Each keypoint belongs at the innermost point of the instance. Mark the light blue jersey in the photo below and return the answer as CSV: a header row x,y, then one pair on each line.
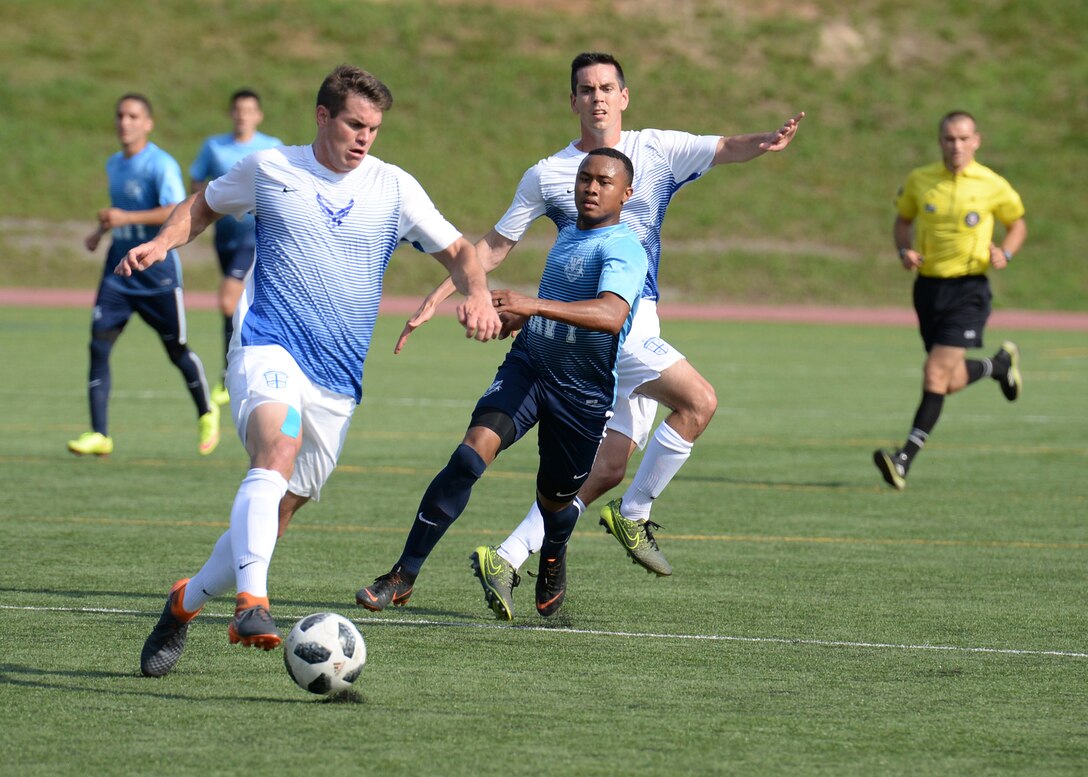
x,y
581,265
218,155
324,240
145,181
664,161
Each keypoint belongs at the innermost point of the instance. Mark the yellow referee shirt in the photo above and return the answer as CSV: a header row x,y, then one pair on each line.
x,y
953,216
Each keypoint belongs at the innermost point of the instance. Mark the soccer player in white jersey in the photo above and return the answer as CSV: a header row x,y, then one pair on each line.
x,y
650,370
329,216
560,373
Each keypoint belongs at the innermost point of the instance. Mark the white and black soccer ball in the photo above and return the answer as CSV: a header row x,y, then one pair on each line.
x,y
324,653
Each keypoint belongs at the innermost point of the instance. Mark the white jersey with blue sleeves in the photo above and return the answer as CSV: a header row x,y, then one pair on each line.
x,y
664,160
581,265
323,243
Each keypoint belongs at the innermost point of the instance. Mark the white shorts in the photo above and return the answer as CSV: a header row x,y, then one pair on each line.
x,y
267,373
643,358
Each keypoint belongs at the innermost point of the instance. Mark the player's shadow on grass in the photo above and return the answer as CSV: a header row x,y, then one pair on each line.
x,y
36,677
157,596
770,484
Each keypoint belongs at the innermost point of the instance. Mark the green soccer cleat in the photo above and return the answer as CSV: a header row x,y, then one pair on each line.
x,y
498,578
220,395
1012,383
893,466
208,430
91,444
637,538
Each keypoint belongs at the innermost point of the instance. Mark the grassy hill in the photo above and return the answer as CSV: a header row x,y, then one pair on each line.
x,y
481,93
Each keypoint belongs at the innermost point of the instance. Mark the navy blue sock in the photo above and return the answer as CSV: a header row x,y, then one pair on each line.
x,y
228,333
98,381
442,503
558,526
192,369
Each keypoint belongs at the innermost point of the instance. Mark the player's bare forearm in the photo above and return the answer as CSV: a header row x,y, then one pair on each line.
x,y
607,313
191,217
476,313
742,148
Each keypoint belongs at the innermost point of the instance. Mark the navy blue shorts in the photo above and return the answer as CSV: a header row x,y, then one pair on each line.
x,y
952,311
568,433
165,313
235,248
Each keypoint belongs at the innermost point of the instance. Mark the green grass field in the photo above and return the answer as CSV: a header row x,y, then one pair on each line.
x,y
817,623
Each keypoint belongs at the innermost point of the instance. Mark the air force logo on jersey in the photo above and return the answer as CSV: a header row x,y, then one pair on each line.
x,y
492,389
276,379
134,189
576,268
336,216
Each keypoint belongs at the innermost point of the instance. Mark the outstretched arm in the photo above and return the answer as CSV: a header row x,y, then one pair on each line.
x,y
491,250
742,148
476,314
191,217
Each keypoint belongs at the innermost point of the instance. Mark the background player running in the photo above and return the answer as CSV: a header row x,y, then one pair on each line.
x,y
145,184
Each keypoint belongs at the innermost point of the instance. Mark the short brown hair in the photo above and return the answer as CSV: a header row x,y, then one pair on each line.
x,y
347,80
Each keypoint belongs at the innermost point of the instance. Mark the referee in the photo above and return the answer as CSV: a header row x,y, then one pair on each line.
x,y
944,229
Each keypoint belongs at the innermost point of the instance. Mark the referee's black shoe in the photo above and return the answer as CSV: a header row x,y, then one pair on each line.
x,y
1011,382
893,466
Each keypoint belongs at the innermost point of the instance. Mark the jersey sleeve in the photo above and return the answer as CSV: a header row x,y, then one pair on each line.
x,y
235,193
200,170
171,184
624,270
689,155
1008,207
421,223
528,205
906,204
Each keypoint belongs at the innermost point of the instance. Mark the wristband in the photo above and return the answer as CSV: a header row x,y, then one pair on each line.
x,y
902,251
1008,254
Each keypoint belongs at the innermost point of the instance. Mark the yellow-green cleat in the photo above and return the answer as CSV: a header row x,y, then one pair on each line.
x,y
637,538
220,395
498,578
91,444
893,466
208,430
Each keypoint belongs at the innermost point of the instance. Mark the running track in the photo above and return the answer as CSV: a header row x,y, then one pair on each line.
x,y
804,314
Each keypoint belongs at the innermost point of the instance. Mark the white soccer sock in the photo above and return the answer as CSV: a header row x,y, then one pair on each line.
x,y
254,523
665,454
529,536
214,578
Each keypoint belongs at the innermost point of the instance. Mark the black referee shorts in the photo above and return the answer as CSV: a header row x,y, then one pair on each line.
x,y
952,311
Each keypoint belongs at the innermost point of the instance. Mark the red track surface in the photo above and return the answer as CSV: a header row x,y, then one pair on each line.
x,y
805,314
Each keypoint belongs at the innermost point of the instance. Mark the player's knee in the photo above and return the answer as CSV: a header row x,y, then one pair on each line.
x,y
102,343
177,352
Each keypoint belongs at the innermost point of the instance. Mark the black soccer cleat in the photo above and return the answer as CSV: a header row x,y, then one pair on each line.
x,y
166,642
893,466
551,583
395,587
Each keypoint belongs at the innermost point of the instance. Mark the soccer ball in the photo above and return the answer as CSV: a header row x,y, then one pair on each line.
x,y
324,653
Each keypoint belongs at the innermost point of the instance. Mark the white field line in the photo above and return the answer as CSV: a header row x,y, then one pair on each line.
x,y
368,623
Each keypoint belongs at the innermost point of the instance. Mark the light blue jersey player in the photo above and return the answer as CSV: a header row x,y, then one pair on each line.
x,y
329,216
559,376
144,184
235,238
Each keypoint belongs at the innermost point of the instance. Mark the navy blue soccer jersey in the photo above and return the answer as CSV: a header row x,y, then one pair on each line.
x,y
144,181
581,265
